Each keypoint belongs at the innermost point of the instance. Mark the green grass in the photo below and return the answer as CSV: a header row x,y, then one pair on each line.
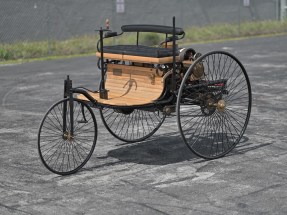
x,y
228,31
86,44
30,50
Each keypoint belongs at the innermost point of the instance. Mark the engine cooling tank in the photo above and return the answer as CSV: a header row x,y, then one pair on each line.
x,y
197,72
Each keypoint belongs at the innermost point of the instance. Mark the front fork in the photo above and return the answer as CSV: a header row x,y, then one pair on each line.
x,y
68,94
68,125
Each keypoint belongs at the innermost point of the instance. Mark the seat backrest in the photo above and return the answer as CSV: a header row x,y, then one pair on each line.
x,y
152,28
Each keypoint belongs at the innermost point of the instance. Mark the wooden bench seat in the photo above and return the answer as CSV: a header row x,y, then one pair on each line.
x,y
138,59
130,85
140,50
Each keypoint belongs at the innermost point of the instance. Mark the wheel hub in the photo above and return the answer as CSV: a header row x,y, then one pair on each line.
x,y
221,105
211,104
208,108
68,136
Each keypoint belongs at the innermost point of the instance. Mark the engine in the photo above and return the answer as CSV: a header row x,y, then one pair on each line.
x,y
187,56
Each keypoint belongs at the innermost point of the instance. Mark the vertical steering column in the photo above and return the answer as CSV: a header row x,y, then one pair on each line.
x,y
173,80
65,105
103,91
68,94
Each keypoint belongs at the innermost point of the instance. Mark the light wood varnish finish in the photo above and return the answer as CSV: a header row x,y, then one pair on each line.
x,y
130,85
140,59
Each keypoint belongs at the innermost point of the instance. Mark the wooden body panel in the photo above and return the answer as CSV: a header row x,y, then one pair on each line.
x,y
140,59
130,85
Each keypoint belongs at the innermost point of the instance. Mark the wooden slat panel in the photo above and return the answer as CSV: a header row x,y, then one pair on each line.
x,y
139,59
131,86
137,70
136,81
118,101
138,76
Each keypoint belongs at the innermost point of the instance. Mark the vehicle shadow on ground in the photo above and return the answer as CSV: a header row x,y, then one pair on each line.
x,y
242,147
168,149
158,150
245,146
165,149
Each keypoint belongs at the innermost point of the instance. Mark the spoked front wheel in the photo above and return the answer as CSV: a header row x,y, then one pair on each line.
x,y
66,145
213,110
130,124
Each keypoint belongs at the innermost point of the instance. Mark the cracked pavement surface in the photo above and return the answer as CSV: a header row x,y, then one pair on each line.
x,y
156,176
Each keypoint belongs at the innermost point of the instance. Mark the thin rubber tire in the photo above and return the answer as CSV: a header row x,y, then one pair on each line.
x,y
132,125
60,153
207,131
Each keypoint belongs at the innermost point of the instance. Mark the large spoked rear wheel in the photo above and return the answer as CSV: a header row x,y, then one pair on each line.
x,y
130,124
62,150
213,111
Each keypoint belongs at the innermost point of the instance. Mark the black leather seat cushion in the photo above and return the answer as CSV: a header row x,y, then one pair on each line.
x,y
144,51
152,28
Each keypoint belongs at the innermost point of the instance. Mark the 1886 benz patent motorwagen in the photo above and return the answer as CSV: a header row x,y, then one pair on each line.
x,y
141,85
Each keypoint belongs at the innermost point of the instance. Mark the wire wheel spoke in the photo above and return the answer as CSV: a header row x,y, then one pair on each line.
x,y
213,113
132,125
61,150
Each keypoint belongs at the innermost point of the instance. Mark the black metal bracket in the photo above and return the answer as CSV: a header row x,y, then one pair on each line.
x,y
104,94
103,91
68,87
173,78
68,93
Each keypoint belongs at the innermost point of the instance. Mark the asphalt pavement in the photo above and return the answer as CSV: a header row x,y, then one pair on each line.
x,y
156,176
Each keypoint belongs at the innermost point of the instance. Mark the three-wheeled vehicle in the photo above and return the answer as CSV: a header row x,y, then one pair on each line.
x,y
141,85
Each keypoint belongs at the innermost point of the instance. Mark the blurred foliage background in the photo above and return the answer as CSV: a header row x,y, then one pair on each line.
x,y
49,28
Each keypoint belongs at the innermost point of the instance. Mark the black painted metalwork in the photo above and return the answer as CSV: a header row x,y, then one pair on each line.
x,y
213,113
152,28
65,105
212,99
173,81
138,38
103,91
60,151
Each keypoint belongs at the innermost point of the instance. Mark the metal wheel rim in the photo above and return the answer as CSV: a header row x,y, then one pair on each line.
x,y
247,115
134,127
72,148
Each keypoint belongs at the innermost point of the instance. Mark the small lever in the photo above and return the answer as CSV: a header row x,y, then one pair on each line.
x,y
107,24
